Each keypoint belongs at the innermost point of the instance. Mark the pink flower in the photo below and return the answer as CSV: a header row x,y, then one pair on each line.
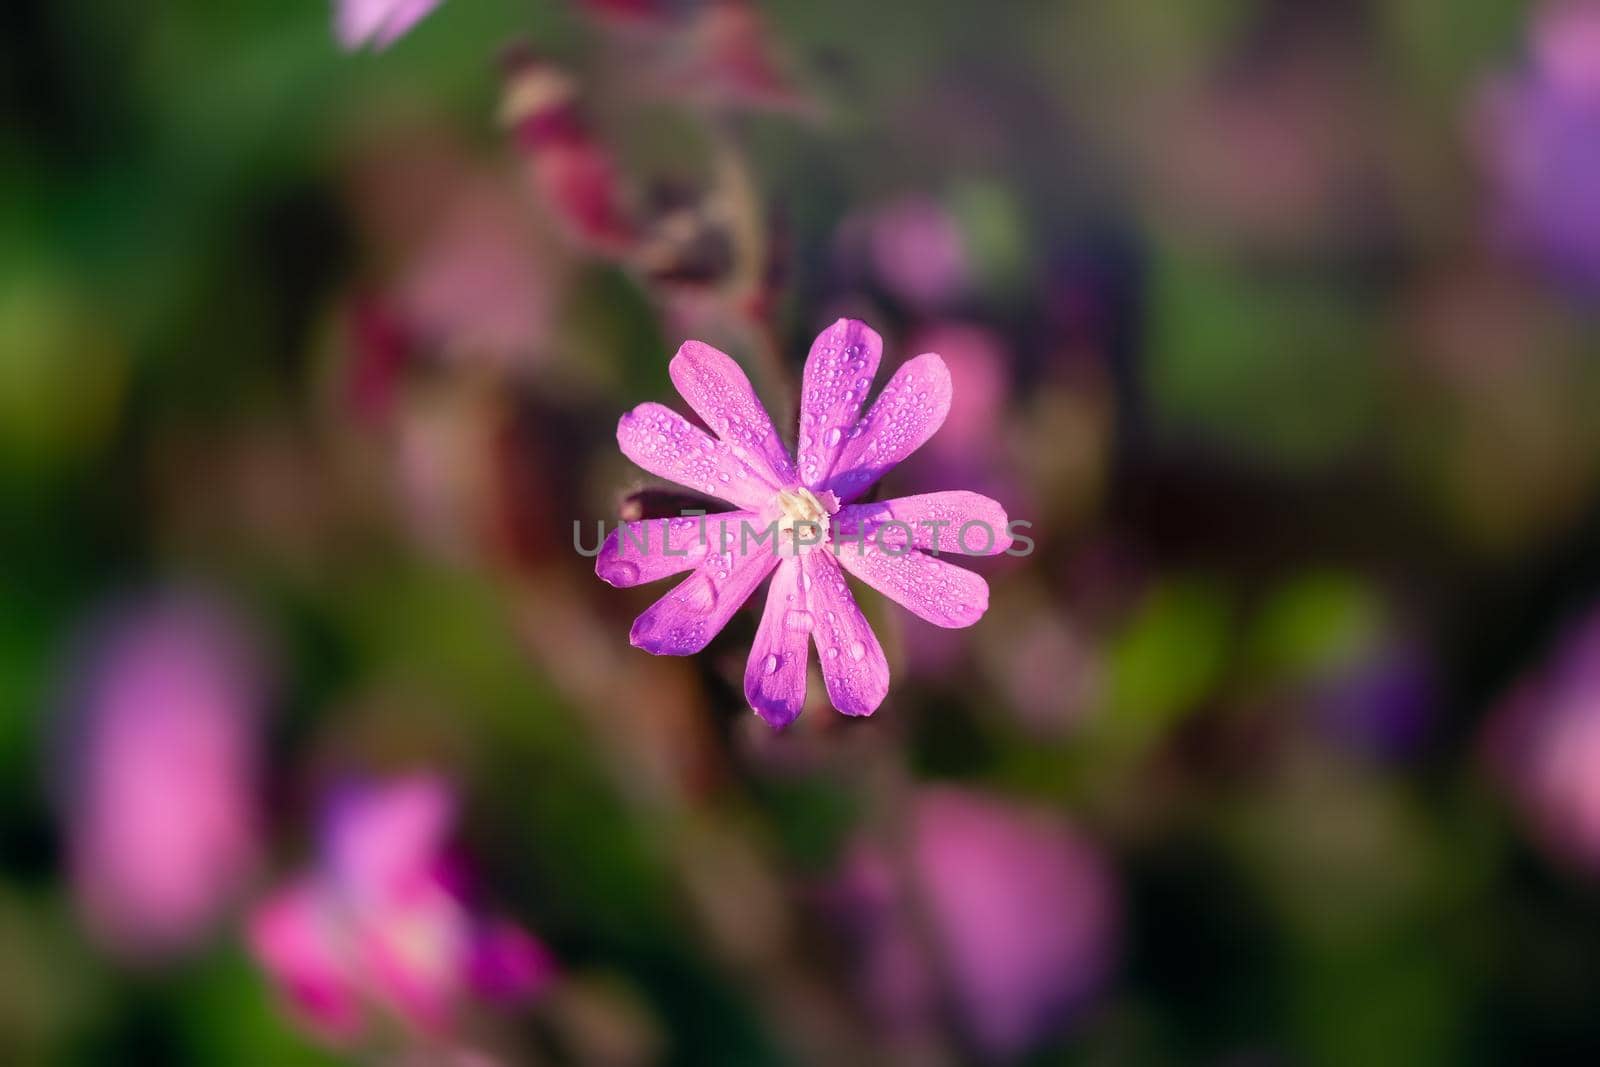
x,y
377,22
160,803
1543,743
811,531
1017,914
380,924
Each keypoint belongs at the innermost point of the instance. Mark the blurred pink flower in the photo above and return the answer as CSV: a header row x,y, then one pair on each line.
x,y
970,448
160,799
1539,130
377,22
912,247
1001,912
1543,744
571,170
842,453
918,251
380,923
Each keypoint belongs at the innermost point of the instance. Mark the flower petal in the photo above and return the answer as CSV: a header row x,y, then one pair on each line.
x,y
381,841
652,549
942,593
853,664
961,522
775,677
669,446
686,619
293,936
720,393
910,410
838,373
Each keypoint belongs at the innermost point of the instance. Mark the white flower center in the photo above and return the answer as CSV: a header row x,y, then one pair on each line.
x,y
800,508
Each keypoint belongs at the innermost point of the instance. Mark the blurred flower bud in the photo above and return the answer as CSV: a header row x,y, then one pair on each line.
x,y
571,170
160,764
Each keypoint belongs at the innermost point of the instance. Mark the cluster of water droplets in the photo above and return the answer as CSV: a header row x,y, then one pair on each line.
x,y
837,377
940,592
841,635
897,424
667,444
734,412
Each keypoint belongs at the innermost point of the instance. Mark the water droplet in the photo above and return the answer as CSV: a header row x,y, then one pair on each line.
x,y
858,651
833,653
624,573
834,435
799,621
723,477
770,665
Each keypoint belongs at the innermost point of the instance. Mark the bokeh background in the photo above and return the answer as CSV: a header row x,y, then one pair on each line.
x,y
320,743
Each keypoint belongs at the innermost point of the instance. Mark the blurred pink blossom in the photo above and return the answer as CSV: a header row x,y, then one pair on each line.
x,y
160,798
999,911
377,22
380,924
913,247
1566,46
1543,743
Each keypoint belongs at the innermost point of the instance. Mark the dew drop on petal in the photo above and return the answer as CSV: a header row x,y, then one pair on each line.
x,y
834,435
799,621
858,651
833,653
770,665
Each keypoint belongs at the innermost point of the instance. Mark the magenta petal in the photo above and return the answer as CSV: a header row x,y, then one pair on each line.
x,y
383,841
720,393
910,410
378,22
651,549
291,934
686,619
838,374
959,522
775,676
508,964
942,593
853,664
669,446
